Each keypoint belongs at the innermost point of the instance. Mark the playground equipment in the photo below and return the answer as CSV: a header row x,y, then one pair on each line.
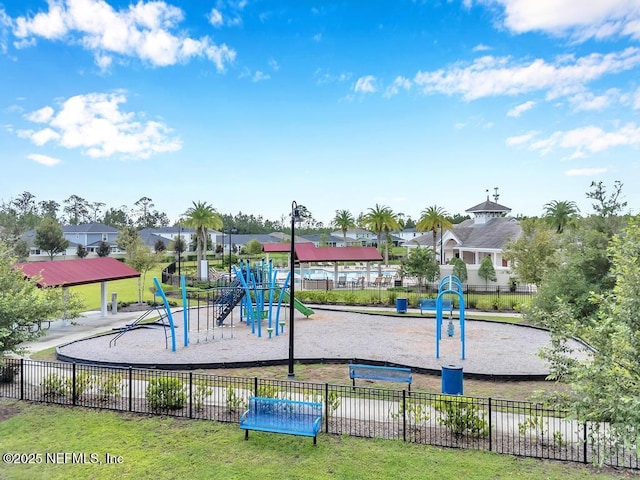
x,y
450,284
264,298
203,311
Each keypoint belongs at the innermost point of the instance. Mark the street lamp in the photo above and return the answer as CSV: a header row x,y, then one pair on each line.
x,y
234,231
295,217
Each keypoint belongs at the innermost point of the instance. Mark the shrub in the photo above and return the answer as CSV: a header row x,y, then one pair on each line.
x,y
414,411
461,415
485,304
108,387
267,390
201,391
234,401
166,393
54,385
84,382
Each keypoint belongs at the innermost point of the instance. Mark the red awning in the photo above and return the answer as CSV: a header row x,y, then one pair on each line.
x,y
77,272
308,252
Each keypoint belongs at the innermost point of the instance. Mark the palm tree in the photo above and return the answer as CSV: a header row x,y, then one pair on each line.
x,y
434,218
560,213
344,221
202,217
381,219
390,224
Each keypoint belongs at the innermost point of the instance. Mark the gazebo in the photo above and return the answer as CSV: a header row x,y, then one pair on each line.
x,y
69,273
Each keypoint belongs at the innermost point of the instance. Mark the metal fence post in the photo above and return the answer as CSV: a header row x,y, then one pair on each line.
x,y
490,429
326,407
73,389
584,441
22,379
190,394
404,415
255,386
130,389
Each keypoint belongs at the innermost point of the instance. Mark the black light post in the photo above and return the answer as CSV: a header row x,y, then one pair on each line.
x,y
233,230
295,216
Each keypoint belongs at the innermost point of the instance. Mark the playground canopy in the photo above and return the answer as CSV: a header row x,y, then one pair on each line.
x,y
69,273
308,252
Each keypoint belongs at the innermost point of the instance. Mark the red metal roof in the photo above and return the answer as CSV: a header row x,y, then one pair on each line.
x,y
308,252
77,272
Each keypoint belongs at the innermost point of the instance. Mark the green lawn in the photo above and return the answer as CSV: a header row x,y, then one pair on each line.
x,y
159,447
127,290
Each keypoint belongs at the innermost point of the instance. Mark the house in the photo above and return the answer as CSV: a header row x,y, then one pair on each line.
x,y
356,237
89,235
484,235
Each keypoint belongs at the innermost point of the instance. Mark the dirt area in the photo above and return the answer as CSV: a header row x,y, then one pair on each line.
x,y
8,408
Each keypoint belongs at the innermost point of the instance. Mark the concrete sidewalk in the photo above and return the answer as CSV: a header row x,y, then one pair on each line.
x,y
89,324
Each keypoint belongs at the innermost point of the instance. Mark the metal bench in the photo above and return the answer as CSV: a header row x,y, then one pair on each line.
x,y
431,304
282,416
375,372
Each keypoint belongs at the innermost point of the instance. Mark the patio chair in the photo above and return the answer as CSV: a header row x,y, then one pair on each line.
x,y
377,282
386,281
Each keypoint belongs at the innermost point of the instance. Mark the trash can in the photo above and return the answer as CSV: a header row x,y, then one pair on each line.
x,y
452,380
401,305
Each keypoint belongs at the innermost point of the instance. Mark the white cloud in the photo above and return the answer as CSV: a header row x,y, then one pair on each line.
x,y
481,48
147,30
520,109
259,76
521,139
365,84
41,116
492,76
274,65
584,172
317,37
96,124
586,140
215,18
398,83
579,19
322,77
585,101
43,159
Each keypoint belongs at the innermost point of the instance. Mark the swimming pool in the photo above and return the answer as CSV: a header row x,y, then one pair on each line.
x,y
351,275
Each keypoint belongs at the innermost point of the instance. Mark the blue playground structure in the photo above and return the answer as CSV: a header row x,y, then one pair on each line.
x,y
450,284
254,287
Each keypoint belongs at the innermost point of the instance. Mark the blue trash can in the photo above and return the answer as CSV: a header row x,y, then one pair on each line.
x,y
452,378
401,305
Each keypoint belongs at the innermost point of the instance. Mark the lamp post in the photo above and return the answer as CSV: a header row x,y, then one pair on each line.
x,y
295,216
233,230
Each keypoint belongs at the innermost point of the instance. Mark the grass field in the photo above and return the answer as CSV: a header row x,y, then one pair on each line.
x,y
160,447
127,290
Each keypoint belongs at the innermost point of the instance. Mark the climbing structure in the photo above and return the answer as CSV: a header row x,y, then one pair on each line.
x,y
450,284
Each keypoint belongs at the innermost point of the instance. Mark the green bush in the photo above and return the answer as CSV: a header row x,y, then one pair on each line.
x,y
108,387
414,411
166,393
54,385
485,304
267,390
234,401
462,415
201,391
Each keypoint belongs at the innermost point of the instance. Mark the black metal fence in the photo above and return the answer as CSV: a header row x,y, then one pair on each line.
x,y
505,426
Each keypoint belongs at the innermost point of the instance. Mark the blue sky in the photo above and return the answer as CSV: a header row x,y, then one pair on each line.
x,y
251,104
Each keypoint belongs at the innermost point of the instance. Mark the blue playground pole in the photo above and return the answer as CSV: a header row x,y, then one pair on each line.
x,y
169,315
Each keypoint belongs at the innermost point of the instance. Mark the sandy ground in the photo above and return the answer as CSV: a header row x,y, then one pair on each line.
x,y
491,349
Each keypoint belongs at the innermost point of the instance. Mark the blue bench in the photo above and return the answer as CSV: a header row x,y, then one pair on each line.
x,y
282,416
375,372
430,304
